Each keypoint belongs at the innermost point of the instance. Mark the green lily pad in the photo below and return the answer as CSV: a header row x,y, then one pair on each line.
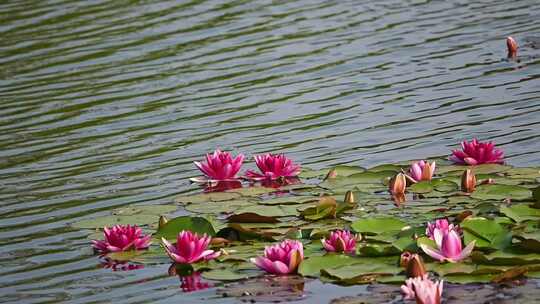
x,y
500,192
174,226
444,185
289,200
378,225
111,220
345,170
219,207
251,191
311,267
364,272
225,275
145,209
206,197
490,168
421,187
521,212
486,233
386,167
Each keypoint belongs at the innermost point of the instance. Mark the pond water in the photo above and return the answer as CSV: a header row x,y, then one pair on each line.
x,y
106,104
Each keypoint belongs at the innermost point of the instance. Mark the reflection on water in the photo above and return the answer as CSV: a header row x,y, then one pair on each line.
x,y
106,103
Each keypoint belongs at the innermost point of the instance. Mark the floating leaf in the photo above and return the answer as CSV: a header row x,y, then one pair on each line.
x,y
490,168
225,275
206,197
444,185
250,217
486,233
344,170
521,212
111,220
251,191
421,187
326,208
311,267
500,192
176,225
378,225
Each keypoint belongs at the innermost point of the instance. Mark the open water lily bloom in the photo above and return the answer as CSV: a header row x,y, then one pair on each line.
x,y
423,290
282,258
190,248
273,167
219,166
441,224
476,153
449,247
421,171
122,238
340,241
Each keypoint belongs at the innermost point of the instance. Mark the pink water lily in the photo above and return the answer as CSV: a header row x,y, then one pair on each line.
x,y
449,247
282,258
273,167
421,171
423,290
190,248
220,166
340,241
122,238
441,224
476,153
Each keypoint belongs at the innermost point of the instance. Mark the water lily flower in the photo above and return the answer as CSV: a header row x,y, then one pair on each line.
x,y
190,248
273,167
476,153
512,46
413,264
340,241
468,181
441,224
122,238
220,166
421,171
449,247
398,184
423,290
282,258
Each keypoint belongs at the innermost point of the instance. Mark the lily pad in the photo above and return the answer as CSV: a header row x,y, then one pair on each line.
x,y
521,212
311,267
378,225
174,226
111,220
500,192
421,187
486,233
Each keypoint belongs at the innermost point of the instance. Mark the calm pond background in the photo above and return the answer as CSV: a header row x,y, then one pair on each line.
x,y
107,103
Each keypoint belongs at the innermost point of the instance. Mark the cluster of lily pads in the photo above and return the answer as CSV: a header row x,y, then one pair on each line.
x,y
473,218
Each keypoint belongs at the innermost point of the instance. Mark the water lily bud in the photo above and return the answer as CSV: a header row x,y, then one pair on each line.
x,y
349,197
399,198
404,259
162,221
512,46
398,184
331,174
415,267
468,181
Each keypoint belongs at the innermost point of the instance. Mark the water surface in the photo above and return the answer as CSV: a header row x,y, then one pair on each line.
x,y
106,104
